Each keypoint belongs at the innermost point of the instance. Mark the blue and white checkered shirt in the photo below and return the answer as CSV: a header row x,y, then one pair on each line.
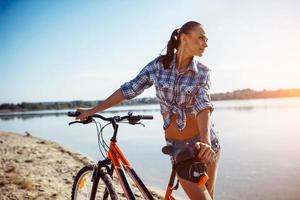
x,y
176,92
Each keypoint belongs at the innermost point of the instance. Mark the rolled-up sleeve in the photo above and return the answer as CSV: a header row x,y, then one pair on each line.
x,y
137,85
203,100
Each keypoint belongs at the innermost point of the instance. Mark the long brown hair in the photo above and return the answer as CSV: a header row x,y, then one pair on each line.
x,y
174,42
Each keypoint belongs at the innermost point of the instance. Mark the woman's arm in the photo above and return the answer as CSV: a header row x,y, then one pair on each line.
x,y
203,121
203,108
116,98
128,90
206,153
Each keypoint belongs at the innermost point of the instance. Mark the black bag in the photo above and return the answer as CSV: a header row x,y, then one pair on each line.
x,y
186,163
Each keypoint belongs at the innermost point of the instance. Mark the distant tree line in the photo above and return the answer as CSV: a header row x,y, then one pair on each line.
x,y
27,106
237,94
252,94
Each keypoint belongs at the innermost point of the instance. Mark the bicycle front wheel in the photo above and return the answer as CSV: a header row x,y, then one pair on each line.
x,y
83,185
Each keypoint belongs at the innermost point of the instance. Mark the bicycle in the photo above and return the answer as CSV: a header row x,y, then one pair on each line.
x,y
95,181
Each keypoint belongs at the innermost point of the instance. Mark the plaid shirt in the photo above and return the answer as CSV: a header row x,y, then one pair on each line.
x,y
176,92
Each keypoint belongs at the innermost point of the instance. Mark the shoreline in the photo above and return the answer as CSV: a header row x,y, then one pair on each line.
x,y
246,94
120,108
35,168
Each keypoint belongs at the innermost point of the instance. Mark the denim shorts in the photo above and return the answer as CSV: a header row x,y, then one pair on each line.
x,y
192,170
215,144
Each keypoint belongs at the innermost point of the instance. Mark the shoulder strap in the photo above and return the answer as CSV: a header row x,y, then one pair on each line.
x,y
172,179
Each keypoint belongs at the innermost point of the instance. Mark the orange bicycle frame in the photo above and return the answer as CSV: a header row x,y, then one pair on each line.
x,y
120,163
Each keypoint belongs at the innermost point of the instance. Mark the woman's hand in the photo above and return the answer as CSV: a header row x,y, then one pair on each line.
x,y
84,113
206,153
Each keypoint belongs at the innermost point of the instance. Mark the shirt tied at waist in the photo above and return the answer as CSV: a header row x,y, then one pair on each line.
x,y
181,117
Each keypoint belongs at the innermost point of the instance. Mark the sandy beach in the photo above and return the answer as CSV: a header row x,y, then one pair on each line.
x,y
34,168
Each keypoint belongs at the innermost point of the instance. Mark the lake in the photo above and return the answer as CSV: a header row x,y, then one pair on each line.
x,y
260,154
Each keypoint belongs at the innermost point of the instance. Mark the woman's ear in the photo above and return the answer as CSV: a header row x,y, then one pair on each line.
x,y
183,38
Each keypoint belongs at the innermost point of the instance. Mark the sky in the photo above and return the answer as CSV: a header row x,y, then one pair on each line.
x,y
59,50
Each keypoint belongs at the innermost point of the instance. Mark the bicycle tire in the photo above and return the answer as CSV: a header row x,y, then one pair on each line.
x,y
83,185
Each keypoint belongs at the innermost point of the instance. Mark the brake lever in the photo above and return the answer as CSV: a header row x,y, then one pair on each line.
x,y
74,122
88,120
137,123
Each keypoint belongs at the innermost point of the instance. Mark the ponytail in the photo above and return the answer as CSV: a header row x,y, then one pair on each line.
x,y
172,45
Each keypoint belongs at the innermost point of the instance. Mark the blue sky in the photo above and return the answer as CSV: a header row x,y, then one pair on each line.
x,y
84,50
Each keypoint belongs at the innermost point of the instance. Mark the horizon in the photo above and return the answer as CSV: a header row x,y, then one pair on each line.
x,y
64,101
62,50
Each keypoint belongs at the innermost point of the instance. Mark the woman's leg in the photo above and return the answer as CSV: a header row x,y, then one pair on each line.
x,y
212,173
194,191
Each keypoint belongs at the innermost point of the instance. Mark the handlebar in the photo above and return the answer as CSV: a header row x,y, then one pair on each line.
x,y
132,119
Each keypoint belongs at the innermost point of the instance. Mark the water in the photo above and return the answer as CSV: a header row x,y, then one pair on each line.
x,y
260,157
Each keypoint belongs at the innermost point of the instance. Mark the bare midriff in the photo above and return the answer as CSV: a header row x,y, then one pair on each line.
x,y
189,131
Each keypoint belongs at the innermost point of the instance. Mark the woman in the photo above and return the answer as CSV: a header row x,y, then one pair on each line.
x,y
182,87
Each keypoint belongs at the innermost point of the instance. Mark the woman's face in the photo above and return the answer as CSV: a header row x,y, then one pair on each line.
x,y
195,42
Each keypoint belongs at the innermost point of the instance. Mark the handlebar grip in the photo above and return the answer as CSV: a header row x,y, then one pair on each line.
x,y
73,114
146,117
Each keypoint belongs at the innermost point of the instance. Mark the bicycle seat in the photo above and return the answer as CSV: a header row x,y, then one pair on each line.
x,y
180,154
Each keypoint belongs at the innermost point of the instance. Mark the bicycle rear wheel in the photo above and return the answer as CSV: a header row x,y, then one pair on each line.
x,y
83,185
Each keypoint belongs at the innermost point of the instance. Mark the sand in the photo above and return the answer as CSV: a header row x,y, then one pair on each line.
x,y
34,168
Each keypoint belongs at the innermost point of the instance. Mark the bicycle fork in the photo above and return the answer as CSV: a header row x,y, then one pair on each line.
x,y
96,176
